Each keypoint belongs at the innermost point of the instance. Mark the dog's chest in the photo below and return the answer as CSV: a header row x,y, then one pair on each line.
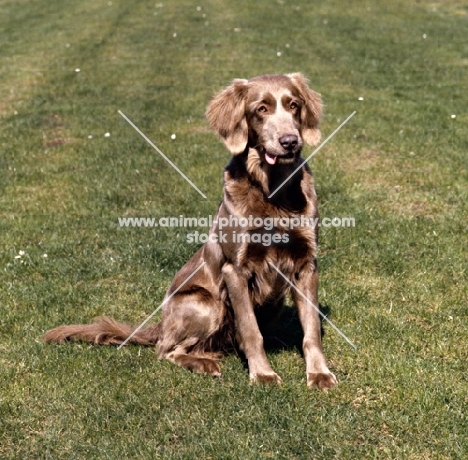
x,y
277,245
268,266
268,241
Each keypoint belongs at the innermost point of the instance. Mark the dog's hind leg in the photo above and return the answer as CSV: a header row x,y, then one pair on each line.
x,y
191,330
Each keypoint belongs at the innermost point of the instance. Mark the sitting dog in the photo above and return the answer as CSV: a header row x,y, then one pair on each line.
x,y
216,300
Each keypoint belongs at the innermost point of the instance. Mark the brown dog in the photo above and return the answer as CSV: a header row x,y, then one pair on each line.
x,y
245,267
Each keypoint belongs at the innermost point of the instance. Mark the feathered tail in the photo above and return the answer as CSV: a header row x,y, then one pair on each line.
x,y
105,332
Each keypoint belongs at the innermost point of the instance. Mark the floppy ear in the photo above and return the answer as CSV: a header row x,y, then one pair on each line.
x,y
311,111
226,114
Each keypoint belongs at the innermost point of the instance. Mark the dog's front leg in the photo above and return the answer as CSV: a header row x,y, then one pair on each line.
x,y
248,333
306,301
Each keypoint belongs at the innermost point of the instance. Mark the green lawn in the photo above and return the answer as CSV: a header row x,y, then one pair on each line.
x,y
395,284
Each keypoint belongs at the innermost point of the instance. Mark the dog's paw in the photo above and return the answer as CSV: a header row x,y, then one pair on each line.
x,y
197,364
206,366
211,367
268,378
322,380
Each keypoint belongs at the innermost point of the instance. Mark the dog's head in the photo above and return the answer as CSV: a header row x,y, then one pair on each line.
x,y
273,114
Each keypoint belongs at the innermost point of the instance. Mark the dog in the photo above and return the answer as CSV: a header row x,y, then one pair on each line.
x,y
221,296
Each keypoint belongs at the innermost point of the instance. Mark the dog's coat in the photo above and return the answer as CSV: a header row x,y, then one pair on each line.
x,y
263,123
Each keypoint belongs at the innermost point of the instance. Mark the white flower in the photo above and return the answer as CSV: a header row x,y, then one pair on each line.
x,y
173,136
107,135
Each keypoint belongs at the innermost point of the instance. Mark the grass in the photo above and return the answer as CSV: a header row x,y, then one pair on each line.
x,y
396,284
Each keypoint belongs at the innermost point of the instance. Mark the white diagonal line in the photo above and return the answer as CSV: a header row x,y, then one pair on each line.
x,y
160,306
314,306
162,154
313,153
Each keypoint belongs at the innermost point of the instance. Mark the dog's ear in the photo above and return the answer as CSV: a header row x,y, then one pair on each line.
x,y
226,114
311,111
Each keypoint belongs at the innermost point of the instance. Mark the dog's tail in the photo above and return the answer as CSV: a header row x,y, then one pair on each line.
x,y
105,332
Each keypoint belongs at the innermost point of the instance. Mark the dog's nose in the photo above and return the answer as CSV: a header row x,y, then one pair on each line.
x,y
288,142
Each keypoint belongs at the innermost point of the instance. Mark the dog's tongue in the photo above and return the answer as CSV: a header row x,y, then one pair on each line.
x,y
271,160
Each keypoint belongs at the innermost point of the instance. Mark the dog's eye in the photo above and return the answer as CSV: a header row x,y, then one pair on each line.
x,y
262,109
294,106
